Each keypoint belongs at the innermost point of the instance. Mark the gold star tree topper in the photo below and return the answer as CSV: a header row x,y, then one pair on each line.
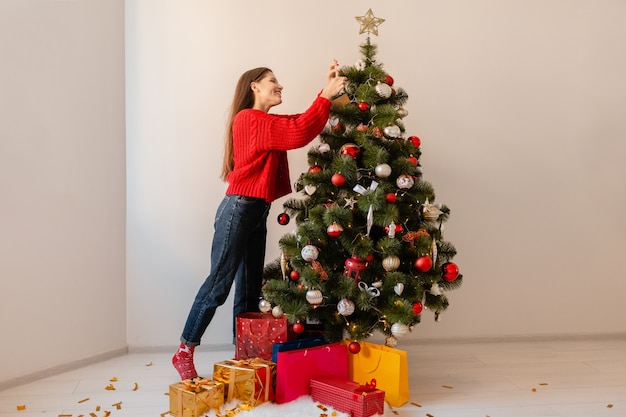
x,y
369,23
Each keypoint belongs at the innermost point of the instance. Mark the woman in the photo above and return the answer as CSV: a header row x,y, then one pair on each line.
x,y
255,167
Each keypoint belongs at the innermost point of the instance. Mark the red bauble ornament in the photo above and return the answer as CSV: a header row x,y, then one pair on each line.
x,y
298,327
417,307
363,106
450,271
369,257
391,198
338,180
350,149
294,275
423,263
389,80
354,347
412,160
283,219
377,132
315,168
416,141
362,128
334,230
354,266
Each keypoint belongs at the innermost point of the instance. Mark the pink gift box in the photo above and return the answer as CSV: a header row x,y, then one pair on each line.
x,y
348,396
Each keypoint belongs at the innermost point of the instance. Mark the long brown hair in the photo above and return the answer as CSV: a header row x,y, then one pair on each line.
x,y
243,99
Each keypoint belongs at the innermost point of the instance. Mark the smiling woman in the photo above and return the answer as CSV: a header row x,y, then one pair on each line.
x,y
255,166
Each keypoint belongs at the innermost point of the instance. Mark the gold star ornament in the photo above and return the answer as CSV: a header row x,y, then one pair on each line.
x,y
369,23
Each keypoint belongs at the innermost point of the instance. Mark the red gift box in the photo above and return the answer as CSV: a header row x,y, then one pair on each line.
x,y
348,396
256,333
296,368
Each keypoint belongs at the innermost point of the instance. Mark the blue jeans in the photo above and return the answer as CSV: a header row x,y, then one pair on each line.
x,y
237,254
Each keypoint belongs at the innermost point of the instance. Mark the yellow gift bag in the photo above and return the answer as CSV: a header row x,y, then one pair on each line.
x,y
388,366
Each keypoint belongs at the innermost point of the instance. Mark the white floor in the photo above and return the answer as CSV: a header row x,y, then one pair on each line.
x,y
565,378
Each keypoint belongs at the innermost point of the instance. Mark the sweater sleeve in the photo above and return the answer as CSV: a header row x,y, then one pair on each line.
x,y
282,133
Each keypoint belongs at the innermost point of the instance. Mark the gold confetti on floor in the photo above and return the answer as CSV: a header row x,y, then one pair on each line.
x,y
609,406
416,404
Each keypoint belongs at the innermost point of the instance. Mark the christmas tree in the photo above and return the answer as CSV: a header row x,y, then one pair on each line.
x,y
368,251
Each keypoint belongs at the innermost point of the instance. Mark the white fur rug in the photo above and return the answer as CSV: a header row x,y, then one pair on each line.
x,y
302,407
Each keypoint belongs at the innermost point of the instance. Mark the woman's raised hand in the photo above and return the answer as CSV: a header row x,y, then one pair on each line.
x,y
334,82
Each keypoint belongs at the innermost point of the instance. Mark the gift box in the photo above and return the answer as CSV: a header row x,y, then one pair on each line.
x,y
296,368
247,380
388,366
195,397
296,344
256,333
348,396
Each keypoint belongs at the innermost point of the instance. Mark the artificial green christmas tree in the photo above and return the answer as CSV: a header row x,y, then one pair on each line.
x,y
368,251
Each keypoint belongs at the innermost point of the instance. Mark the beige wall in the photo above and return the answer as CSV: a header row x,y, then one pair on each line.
x,y
62,184
519,105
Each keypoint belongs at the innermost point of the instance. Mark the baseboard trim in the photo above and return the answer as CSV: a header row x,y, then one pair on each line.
x,y
513,338
55,370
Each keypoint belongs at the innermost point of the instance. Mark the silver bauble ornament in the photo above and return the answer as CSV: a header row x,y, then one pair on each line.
x,y
314,297
391,263
277,312
323,148
382,170
392,132
265,306
405,181
399,329
345,307
309,253
383,90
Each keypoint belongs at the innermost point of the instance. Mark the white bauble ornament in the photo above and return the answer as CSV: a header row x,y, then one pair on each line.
x,y
392,132
405,181
398,288
277,312
345,307
314,297
399,329
391,263
382,170
324,147
265,306
383,90
309,253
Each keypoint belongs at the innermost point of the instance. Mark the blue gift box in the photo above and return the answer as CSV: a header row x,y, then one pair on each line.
x,y
296,344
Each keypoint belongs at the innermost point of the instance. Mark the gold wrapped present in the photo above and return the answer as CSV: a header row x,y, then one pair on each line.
x,y
248,380
195,397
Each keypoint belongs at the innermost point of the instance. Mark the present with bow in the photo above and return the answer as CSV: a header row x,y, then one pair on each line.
x,y
348,396
195,397
248,380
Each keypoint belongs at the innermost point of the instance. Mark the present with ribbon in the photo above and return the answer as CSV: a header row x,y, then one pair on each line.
x,y
195,397
348,396
248,380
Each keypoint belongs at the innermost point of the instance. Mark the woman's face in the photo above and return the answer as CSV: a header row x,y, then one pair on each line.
x,y
267,92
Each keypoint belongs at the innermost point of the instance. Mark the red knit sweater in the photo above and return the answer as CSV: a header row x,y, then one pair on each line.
x,y
260,144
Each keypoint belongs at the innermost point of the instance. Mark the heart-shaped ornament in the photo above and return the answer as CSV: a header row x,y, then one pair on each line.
x,y
310,189
398,288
